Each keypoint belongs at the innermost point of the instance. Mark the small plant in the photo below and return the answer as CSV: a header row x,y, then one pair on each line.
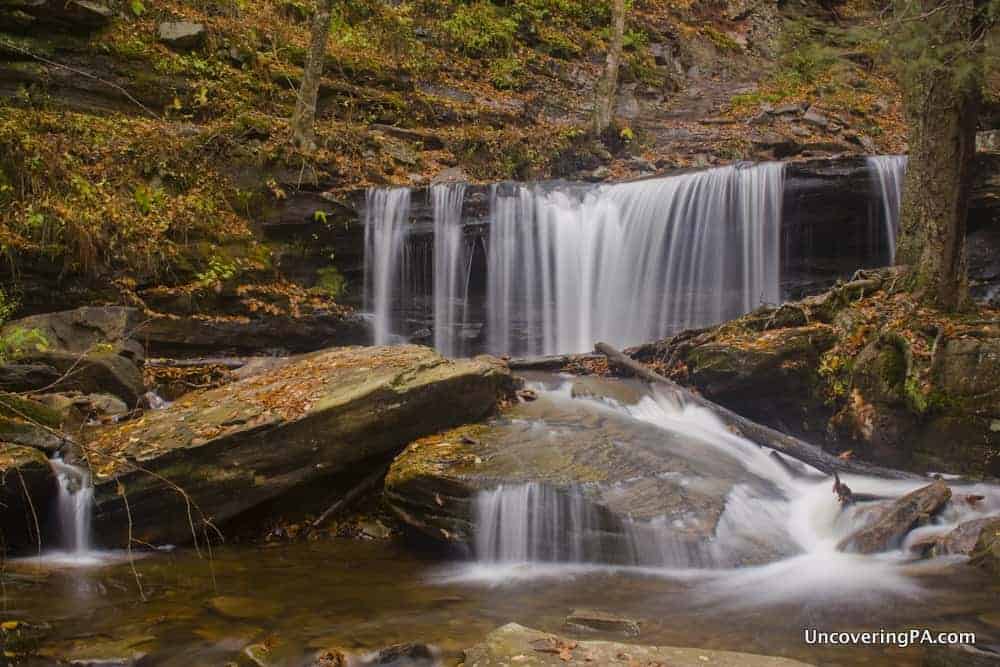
x,y
219,270
19,342
507,74
480,30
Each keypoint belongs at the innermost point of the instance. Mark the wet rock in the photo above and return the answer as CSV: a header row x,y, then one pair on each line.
x,y
401,655
589,619
331,658
573,454
514,644
912,510
241,608
182,35
986,553
27,487
239,445
961,540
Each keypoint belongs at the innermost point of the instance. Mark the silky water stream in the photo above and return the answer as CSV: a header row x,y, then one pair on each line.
x,y
768,570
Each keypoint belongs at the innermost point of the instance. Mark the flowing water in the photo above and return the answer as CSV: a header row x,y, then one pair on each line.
x,y
554,267
74,508
768,570
888,173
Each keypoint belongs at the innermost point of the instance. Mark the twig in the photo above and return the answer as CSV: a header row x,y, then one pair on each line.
x,y
131,557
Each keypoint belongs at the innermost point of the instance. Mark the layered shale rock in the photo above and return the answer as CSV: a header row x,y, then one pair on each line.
x,y
214,454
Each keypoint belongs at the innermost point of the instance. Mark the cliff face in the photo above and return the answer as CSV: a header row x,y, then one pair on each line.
x,y
146,146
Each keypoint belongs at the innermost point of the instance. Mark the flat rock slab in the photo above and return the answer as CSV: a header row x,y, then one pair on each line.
x,y
912,510
214,454
514,644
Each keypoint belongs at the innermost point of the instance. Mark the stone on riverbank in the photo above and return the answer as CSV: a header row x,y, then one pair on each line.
x,y
234,447
514,644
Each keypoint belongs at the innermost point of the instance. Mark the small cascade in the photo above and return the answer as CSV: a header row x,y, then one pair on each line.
x,y
451,266
387,213
74,508
631,262
779,517
888,173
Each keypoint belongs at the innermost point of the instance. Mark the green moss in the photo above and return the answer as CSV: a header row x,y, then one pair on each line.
x,y
17,407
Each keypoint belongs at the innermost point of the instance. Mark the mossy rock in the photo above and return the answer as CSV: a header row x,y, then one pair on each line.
x,y
234,447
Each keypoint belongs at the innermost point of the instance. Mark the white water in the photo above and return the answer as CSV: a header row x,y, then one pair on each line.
x,y
629,263
888,173
570,265
73,512
386,215
791,526
451,266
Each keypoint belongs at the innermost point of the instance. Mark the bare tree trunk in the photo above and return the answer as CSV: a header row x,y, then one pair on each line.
x,y
941,116
604,106
304,118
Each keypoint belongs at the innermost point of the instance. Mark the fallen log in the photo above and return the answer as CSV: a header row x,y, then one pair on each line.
x,y
758,433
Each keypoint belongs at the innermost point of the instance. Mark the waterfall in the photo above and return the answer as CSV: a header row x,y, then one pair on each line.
x,y
74,507
387,213
451,266
887,174
632,262
568,265
535,523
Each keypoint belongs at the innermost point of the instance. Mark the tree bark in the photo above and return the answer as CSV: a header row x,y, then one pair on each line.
x,y
607,86
304,118
941,115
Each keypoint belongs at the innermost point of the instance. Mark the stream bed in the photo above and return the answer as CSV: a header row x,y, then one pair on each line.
x,y
361,596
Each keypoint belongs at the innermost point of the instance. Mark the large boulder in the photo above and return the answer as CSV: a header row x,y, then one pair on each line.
x,y
229,449
911,511
94,373
515,644
27,487
607,487
86,329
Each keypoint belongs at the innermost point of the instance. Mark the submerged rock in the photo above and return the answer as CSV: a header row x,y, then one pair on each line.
x,y
912,510
228,449
235,607
27,487
514,644
589,619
